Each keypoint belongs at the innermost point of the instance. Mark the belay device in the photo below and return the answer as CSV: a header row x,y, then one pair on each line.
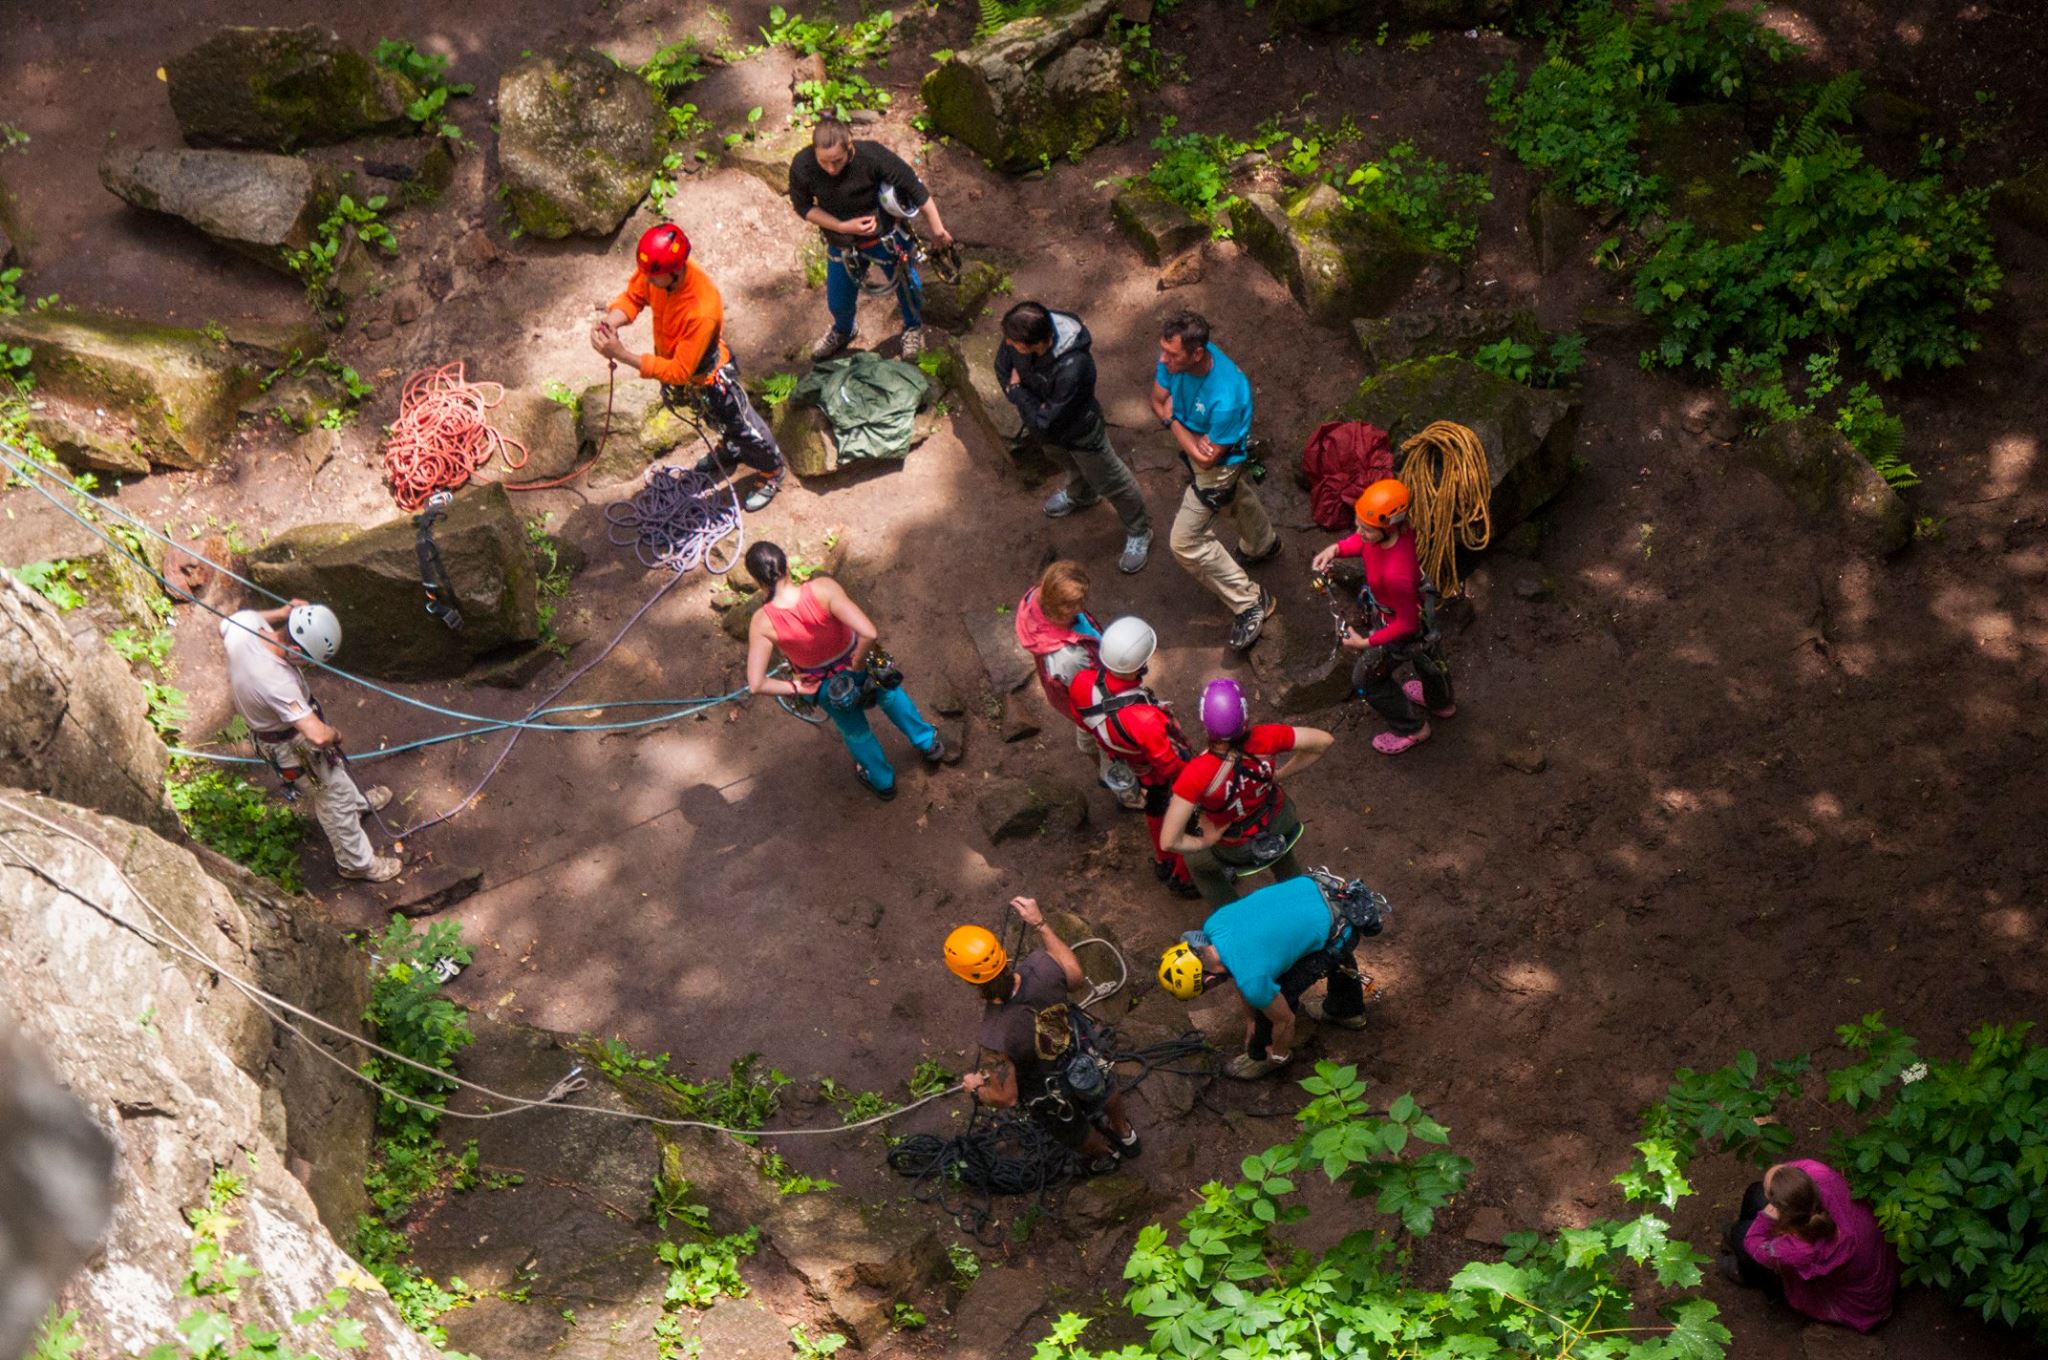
x,y
433,572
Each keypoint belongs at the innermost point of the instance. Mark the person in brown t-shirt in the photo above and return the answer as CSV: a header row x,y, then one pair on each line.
x,y
1020,1024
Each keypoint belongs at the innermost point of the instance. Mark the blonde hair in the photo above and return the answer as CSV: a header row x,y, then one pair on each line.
x,y
1063,589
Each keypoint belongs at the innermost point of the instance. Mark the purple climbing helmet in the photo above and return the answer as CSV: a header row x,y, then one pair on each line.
x,y
1226,715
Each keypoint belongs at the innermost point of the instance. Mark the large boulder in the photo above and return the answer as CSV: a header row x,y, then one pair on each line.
x,y
176,391
257,204
1338,264
766,155
371,578
85,443
1036,89
545,428
1399,336
278,89
72,720
627,427
967,369
956,306
1828,479
578,140
1529,433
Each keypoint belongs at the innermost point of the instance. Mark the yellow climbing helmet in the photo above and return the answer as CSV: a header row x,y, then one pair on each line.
x,y
1181,971
974,953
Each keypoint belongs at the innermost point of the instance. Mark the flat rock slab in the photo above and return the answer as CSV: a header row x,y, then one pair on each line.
x,y
1005,662
278,89
1159,227
432,887
1400,336
998,1306
257,204
1338,264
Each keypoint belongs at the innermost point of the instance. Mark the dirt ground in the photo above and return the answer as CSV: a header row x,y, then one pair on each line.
x,y
1780,785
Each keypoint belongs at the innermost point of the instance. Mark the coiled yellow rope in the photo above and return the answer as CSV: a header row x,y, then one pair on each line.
x,y
1449,486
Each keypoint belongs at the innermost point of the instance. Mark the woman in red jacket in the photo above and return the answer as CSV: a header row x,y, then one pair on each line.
x,y
1064,639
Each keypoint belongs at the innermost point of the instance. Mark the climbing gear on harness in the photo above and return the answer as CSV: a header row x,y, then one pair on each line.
x,y
1127,644
883,668
433,571
443,435
1382,505
1451,482
849,690
1353,906
1266,848
945,262
663,249
1226,713
314,630
901,248
975,955
1181,972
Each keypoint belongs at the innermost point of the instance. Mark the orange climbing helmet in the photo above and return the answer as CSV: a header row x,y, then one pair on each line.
x,y
1383,504
975,954
663,249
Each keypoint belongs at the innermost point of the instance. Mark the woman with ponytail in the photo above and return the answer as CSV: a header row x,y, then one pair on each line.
x,y
1804,1237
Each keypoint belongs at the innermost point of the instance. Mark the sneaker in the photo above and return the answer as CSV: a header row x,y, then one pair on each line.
x,y
763,492
1104,1166
382,869
941,753
1137,548
1394,743
1413,689
1245,631
831,342
377,797
884,794
1253,559
1245,1067
1061,503
1127,1146
913,343
1313,1009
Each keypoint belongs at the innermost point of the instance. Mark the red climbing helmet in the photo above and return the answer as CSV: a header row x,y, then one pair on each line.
x,y
663,249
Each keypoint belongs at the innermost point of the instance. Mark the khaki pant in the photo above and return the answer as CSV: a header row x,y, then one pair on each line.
x,y
1200,551
338,805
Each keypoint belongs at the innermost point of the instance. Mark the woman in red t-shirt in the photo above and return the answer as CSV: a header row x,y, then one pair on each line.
x,y
1234,786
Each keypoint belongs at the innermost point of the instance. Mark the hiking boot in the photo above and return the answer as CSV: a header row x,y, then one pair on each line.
x,y
1413,689
715,464
1394,743
1104,1166
1313,1009
1061,503
1272,551
1245,631
1245,1067
913,343
1137,548
831,342
940,753
763,492
382,869
377,798
884,794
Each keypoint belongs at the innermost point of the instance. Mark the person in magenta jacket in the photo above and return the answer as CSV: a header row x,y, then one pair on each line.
x,y
1804,1235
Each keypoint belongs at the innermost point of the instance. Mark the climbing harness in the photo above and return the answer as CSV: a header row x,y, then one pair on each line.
x,y
1266,849
1450,485
676,521
443,434
433,571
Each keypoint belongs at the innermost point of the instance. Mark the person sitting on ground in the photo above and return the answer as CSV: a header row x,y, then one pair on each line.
x,y
863,197
1048,373
1803,1237
1275,944
1064,639
1403,600
269,691
1205,401
827,639
1037,1046
1141,735
1251,826
691,360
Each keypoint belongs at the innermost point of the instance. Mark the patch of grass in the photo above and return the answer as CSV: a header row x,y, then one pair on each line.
x,y
564,395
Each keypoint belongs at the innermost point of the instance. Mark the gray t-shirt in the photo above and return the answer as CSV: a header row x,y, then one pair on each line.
x,y
1010,1027
269,692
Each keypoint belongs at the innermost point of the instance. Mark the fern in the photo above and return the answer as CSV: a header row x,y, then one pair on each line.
x,y
996,13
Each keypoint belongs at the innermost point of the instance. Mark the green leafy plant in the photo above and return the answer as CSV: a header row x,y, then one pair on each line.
x,y
420,1300
231,816
348,220
776,387
1422,194
1194,169
788,1182
1731,1107
906,1318
428,72
966,1264
1521,362
843,49
62,583
744,1098
929,1078
672,67
563,395
55,1338
816,1348
702,1272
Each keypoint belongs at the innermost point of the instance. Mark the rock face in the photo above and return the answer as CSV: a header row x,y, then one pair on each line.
x,y
1159,227
578,140
185,1074
277,89
1389,340
85,447
1037,89
1338,264
1529,433
371,578
257,204
1830,480
546,427
71,717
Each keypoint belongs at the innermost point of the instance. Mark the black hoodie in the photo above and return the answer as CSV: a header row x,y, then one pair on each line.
x,y
1054,391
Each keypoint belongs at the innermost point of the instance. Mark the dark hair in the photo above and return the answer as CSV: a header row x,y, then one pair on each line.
x,y
1798,1202
1001,987
1190,328
1028,323
766,564
831,132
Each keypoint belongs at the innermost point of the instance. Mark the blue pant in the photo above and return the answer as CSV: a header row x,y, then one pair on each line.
x,y
867,750
841,293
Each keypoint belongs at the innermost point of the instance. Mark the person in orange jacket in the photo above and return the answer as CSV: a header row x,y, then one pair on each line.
x,y
691,360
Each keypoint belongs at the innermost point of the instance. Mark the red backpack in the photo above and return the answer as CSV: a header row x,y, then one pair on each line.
x,y
1342,459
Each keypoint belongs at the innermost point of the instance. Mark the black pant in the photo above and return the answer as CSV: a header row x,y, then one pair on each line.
x,y
1755,1275
1375,677
742,434
1345,997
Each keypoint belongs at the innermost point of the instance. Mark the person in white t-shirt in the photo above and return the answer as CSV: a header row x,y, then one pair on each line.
x,y
265,651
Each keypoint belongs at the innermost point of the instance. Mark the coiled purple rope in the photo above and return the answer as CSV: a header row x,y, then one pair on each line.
x,y
675,521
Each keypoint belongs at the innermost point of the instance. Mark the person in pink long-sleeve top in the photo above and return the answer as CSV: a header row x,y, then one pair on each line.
x,y
1803,1231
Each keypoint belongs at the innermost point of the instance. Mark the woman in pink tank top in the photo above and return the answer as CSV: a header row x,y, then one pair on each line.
x,y
822,632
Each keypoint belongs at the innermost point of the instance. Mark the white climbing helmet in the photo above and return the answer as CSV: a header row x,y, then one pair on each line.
x,y
1127,644
893,204
315,631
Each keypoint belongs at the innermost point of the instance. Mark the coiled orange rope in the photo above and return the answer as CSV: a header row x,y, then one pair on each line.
x,y
443,435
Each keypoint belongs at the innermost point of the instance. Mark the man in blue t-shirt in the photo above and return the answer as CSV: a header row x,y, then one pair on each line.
x,y
1206,402
1274,944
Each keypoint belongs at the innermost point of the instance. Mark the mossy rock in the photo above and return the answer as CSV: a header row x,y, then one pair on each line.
x,y
1830,481
1150,220
256,204
2024,199
1036,90
1338,264
1401,336
278,89
578,140
1698,155
955,306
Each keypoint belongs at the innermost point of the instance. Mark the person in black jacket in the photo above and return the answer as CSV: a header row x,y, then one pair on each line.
x,y
863,197
1048,373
